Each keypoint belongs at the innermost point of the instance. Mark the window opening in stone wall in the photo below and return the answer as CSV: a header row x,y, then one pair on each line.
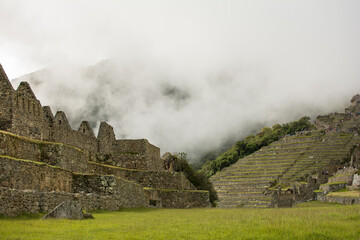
x,y
59,122
152,202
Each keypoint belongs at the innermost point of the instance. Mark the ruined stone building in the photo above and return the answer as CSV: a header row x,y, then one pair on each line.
x,y
43,162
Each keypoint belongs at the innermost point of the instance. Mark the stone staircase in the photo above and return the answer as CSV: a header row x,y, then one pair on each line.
x,y
292,159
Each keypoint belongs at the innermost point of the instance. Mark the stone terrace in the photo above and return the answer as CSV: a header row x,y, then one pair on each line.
x,y
248,182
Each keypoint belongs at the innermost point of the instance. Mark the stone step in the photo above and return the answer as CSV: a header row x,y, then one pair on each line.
x,y
247,197
246,174
242,187
225,185
245,201
261,166
268,169
243,204
289,160
285,149
275,155
305,144
243,196
266,161
245,178
255,173
238,188
241,182
327,152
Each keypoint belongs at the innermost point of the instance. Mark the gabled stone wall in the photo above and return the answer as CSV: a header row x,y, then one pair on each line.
x,y
28,116
22,113
106,137
44,162
6,100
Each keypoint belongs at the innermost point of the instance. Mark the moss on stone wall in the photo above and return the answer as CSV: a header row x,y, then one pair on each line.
x,y
39,141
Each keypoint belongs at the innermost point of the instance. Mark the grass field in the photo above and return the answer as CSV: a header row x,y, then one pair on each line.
x,y
306,221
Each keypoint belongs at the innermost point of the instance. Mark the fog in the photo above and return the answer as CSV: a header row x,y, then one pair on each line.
x,y
189,76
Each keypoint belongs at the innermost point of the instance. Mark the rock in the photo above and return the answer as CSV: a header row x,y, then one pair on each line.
x,y
88,216
68,210
356,180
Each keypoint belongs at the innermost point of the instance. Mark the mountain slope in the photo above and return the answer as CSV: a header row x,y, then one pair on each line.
x,y
289,162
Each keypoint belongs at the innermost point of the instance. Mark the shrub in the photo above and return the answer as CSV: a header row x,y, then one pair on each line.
x,y
197,178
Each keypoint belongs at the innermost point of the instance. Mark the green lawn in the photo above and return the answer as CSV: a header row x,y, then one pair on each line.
x,y
306,221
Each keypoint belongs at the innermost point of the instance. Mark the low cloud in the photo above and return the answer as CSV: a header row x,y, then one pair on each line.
x,y
188,76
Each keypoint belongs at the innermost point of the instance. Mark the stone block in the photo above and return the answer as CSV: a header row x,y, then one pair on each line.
x,y
68,210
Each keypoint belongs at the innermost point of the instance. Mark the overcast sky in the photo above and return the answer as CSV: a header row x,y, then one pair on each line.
x,y
231,66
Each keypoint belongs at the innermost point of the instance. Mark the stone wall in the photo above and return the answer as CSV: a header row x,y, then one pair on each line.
x,y
344,175
177,198
84,138
44,162
49,121
74,138
14,202
356,181
27,119
164,180
40,187
305,192
332,187
55,154
282,200
355,104
153,161
298,193
6,99
104,185
106,137
336,199
22,114
135,154
22,175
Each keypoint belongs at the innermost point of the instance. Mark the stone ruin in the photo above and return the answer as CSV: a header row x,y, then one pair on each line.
x,y
347,122
345,179
290,170
44,162
68,210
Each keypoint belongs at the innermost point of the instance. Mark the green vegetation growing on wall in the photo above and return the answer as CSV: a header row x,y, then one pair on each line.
x,y
197,178
253,143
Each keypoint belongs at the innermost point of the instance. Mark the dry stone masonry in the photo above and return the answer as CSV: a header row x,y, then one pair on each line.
x,y
289,170
44,162
68,210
